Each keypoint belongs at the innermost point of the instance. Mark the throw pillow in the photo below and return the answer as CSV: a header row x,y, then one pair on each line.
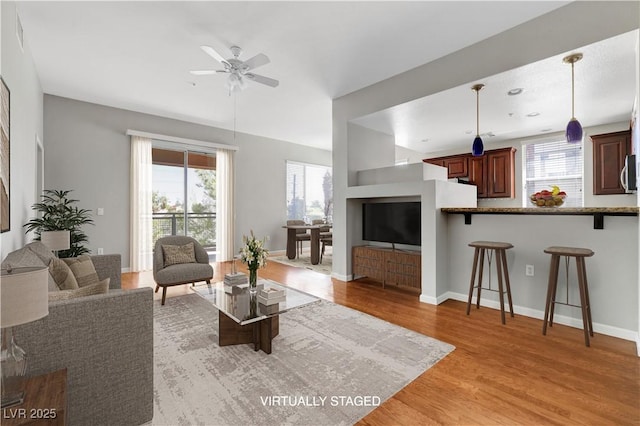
x,y
101,287
62,274
83,270
179,254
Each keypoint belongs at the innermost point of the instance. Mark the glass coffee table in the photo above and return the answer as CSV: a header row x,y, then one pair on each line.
x,y
242,319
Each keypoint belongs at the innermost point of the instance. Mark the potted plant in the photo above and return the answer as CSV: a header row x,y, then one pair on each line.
x,y
58,213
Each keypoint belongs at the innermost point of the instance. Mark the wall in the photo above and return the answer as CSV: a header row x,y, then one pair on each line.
x,y
612,271
88,151
412,156
19,73
368,149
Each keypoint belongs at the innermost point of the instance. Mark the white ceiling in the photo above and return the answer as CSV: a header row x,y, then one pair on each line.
x,y
137,56
604,93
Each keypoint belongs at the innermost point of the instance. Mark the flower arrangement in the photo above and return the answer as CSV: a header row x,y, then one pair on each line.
x,y
545,198
253,253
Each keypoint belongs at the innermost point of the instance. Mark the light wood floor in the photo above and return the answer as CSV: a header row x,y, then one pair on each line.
x,y
498,374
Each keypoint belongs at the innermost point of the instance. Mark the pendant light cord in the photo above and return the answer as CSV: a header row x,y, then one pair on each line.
x,y
478,112
573,113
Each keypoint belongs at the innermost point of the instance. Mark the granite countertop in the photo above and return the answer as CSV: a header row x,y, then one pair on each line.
x,y
544,210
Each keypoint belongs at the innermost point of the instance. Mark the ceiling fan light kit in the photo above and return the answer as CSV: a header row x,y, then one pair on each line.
x,y
238,69
574,128
477,148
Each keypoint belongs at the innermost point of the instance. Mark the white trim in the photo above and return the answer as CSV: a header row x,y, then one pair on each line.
x,y
428,299
341,277
638,344
609,330
193,142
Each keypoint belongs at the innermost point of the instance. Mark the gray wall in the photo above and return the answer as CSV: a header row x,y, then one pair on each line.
x,y
19,73
89,152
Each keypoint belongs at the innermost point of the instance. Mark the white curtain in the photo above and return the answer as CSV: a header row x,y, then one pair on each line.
x,y
225,201
141,210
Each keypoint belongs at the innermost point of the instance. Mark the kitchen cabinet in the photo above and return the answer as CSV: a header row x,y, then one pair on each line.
x,y
478,174
493,173
609,152
501,177
456,165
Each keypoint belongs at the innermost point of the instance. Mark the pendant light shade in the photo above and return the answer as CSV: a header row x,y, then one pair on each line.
x,y
574,128
477,149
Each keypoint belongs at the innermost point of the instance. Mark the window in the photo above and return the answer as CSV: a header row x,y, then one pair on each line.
x,y
184,195
553,163
309,191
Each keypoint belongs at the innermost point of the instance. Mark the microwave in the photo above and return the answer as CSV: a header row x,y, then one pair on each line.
x,y
629,174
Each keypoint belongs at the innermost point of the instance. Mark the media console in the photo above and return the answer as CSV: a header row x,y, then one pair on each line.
x,y
398,268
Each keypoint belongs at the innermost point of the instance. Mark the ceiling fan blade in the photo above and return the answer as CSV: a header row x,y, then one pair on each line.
x,y
262,79
255,62
203,72
215,55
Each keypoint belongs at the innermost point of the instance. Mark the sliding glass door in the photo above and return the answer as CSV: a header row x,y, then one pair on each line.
x,y
184,195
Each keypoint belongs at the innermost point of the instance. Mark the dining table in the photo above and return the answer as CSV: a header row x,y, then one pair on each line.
x,y
292,230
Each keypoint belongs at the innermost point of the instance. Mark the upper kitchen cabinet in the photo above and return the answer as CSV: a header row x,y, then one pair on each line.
x,y
609,151
493,173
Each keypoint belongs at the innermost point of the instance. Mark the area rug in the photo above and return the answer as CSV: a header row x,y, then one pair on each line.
x,y
330,365
304,261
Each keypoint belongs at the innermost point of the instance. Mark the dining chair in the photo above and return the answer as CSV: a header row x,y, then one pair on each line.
x,y
301,234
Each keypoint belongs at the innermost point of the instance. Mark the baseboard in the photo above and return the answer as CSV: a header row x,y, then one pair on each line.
x,y
428,299
341,277
125,270
277,252
608,330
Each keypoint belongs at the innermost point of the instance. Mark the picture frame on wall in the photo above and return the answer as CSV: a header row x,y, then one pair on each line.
x,y
5,157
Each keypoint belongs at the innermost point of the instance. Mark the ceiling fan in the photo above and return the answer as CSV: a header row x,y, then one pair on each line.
x,y
238,70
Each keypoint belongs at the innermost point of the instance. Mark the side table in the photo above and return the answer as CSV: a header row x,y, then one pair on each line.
x,y
45,402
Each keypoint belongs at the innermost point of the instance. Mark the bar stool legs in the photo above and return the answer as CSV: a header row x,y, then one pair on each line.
x,y
585,305
504,286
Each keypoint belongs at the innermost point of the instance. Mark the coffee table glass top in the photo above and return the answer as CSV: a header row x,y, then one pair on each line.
x,y
237,302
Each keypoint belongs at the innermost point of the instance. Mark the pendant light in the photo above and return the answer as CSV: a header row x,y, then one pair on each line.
x,y
574,128
477,149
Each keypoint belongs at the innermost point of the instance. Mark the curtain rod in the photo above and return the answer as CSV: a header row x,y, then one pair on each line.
x,y
181,140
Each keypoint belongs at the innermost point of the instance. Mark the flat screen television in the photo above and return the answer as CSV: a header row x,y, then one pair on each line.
x,y
397,223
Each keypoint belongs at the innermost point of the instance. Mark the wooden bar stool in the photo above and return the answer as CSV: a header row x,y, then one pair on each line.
x,y
501,265
568,253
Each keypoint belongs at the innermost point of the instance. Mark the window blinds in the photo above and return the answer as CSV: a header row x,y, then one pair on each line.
x,y
554,163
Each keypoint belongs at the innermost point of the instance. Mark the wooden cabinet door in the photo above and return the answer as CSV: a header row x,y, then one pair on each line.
x,y
609,151
478,174
501,178
456,166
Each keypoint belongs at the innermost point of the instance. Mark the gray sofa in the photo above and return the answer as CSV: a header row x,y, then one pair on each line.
x,y
104,341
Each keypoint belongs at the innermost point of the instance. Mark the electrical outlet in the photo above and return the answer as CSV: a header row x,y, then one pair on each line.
x,y
528,270
100,250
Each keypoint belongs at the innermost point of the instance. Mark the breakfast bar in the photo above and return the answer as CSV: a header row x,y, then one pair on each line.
x,y
598,213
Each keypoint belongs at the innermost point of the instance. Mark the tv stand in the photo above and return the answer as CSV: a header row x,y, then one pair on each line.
x,y
401,269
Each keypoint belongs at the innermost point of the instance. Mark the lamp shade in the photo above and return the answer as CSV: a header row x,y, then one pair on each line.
x,y
574,131
23,295
56,240
477,149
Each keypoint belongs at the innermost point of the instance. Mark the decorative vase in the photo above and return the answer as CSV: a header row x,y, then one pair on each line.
x,y
253,279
